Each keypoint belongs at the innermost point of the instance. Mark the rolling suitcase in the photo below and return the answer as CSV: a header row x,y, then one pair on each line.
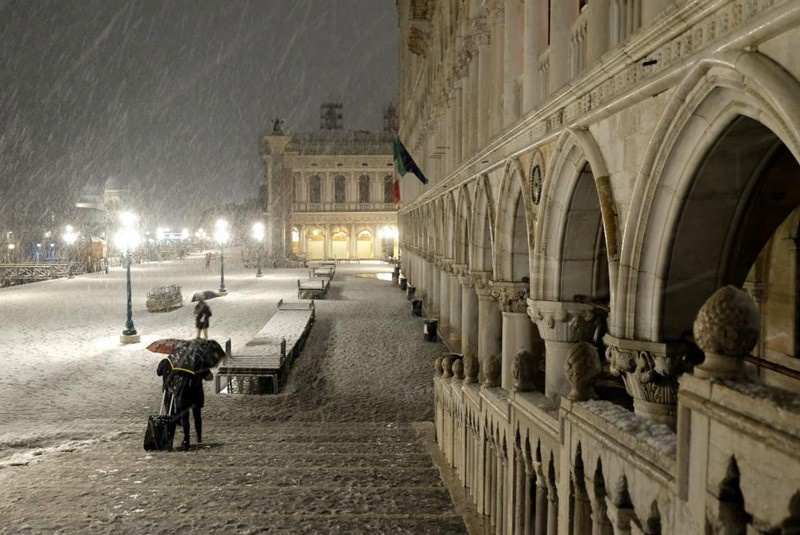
x,y
160,428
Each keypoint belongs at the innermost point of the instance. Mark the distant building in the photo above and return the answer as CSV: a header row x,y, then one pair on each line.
x,y
98,206
329,193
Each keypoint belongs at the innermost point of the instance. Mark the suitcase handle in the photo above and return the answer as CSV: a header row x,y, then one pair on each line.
x,y
164,404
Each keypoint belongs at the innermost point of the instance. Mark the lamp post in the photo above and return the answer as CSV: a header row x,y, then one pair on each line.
x,y
258,234
127,239
70,237
221,235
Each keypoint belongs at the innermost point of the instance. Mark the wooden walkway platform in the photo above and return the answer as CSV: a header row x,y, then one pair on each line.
x,y
313,288
261,367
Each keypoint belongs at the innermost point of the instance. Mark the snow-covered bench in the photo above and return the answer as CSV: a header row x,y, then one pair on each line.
x,y
261,367
323,271
312,288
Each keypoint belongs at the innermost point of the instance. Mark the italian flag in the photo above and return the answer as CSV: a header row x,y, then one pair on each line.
x,y
404,163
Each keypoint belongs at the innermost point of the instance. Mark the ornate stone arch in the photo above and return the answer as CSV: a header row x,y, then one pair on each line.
x,y
715,93
463,230
450,215
575,152
507,245
481,255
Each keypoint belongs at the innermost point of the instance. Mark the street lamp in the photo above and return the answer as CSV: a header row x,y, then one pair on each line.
x,y
70,237
127,239
221,235
258,234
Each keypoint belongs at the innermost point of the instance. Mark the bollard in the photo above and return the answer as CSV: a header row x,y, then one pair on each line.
x,y
429,329
403,284
416,307
412,291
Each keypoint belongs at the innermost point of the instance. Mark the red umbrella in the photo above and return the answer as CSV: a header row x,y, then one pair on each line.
x,y
165,345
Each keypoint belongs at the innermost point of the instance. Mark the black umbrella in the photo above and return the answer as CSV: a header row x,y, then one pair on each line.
x,y
196,355
204,295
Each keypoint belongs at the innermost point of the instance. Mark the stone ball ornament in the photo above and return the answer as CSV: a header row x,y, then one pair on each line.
x,y
437,365
458,369
492,373
726,329
446,367
471,368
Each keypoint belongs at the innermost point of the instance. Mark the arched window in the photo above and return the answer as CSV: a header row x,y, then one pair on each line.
x,y
314,189
339,189
388,191
363,189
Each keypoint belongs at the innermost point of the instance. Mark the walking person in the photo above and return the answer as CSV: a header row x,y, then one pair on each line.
x,y
208,260
202,313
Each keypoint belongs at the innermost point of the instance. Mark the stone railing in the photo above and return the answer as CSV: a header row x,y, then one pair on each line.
x,y
583,467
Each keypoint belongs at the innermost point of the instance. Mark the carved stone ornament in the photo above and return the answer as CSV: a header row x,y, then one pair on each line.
x,y
726,329
437,365
536,184
650,372
480,280
512,297
528,371
446,367
458,369
564,321
471,368
492,371
582,367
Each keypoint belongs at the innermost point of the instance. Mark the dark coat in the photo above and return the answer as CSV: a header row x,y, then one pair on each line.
x,y
202,313
188,389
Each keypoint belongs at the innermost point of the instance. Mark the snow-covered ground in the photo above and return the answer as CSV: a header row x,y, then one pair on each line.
x,y
67,380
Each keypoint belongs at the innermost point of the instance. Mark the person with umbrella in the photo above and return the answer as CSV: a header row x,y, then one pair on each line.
x,y
190,366
202,313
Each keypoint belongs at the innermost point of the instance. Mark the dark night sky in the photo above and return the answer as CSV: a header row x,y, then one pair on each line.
x,y
173,94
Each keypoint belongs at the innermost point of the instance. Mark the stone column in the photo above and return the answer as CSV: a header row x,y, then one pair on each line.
x,y
433,295
561,324
278,182
516,330
552,510
531,50
540,521
454,336
422,282
620,517
520,495
650,371
490,328
444,297
597,33
561,17
484,80
469,325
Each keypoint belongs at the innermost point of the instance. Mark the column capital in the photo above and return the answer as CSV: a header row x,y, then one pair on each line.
x,y
512,296
650,371
565,321
460,269
480,281
446,265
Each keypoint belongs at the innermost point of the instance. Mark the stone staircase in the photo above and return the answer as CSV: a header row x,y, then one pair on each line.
x,y
296,477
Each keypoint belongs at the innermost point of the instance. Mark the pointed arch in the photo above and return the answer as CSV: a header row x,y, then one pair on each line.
x,y
576,181
481,256
511,239
463,230
703,107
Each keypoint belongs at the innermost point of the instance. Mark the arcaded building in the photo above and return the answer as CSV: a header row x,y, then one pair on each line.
x,y
329,193
609,238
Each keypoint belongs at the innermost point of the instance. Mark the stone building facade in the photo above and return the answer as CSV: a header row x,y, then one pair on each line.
x,y
329,195
600,169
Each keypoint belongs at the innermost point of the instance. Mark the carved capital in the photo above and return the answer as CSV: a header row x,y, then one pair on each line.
x,y
480,281
446,265
512,296
564,321
650,371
